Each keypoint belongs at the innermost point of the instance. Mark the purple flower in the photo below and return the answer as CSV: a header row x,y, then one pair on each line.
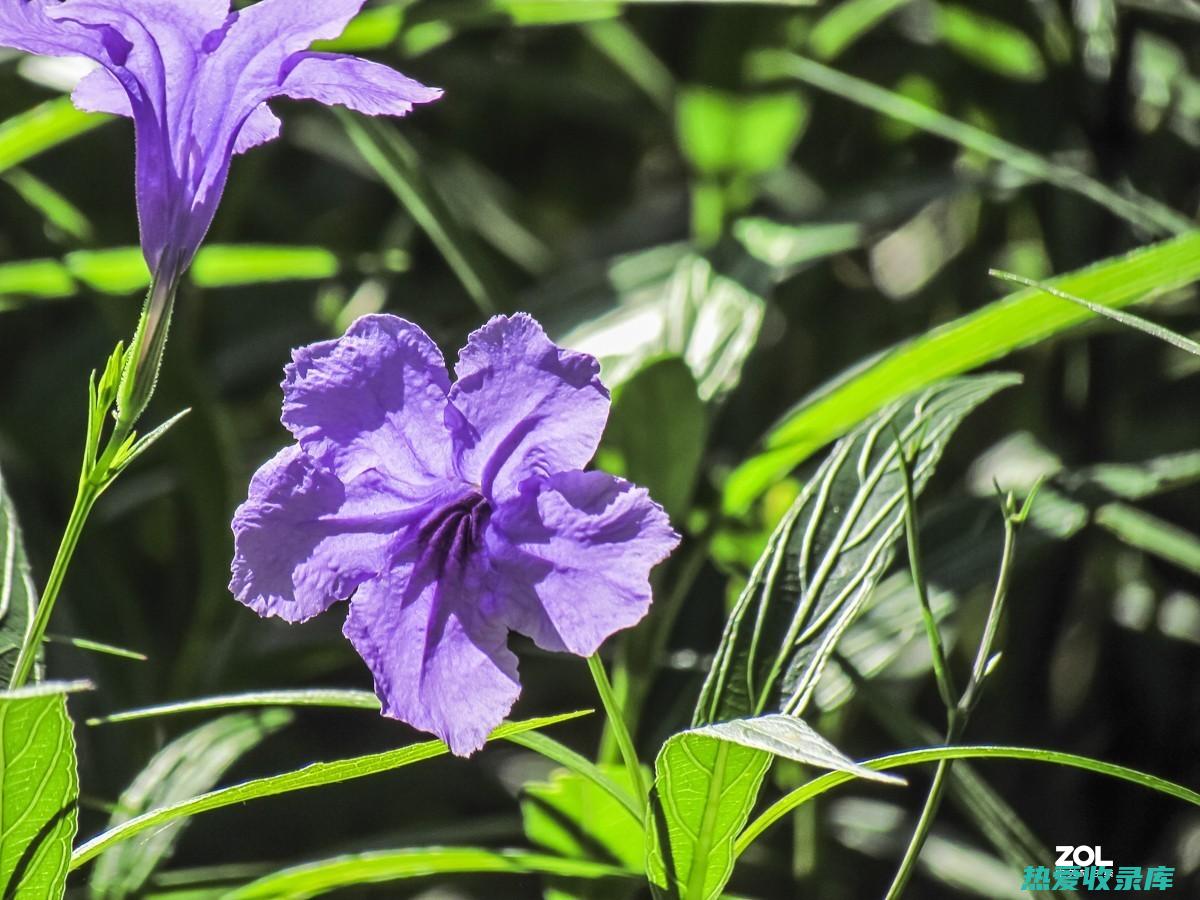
x,y
196,78
449,514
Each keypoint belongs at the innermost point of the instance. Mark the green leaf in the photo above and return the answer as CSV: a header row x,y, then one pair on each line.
x,y
1019,320
990,43
121,271
1149,533
706,788
186,766
39,790
664,459
235,265
567,758
42,128
18,594
707,782
1140,210
827,782
728,134
711,318
56,209
572,817
828,553
383,867
846,23
314,775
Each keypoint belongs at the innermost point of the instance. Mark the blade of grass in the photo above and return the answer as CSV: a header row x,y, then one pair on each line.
x,y
381,867
43,128
1140,210
395,162
830,780
320,697
314,775
1127,319
1150,534
1019,320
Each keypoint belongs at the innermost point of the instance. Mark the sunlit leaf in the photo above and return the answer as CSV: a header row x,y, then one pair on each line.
x,y
571,817
704,315
725,134
829,552
990,43
707,782
39,790
1019,320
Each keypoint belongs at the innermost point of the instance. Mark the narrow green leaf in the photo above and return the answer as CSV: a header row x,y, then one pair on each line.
x,y
39,790
311,697
310,776
1129,320
1142,211
42,128
827,782
56,209
707,783
846,23
96,647
1149,533
18,594
188,765
235,265
1016,321
990,43
385,866
828,553
395,162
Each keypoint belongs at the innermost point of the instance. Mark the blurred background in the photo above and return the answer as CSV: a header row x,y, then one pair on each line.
x,y
655,188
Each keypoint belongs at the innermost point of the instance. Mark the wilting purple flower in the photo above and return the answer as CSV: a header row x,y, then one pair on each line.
x,y
449,514
196,78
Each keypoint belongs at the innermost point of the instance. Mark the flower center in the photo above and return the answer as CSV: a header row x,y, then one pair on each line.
x,y
449,534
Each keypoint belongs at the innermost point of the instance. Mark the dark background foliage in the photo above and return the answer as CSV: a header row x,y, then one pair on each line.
x,y
552,159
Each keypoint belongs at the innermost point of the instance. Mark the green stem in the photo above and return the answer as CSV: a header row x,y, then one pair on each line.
x,y
937,650
959,713
620,730
85,499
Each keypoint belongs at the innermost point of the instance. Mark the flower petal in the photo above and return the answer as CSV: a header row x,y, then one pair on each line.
x,y
437,664
358,84
303,540
100,91
260,127
28,26
530,407
572,557
157,59
373,399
